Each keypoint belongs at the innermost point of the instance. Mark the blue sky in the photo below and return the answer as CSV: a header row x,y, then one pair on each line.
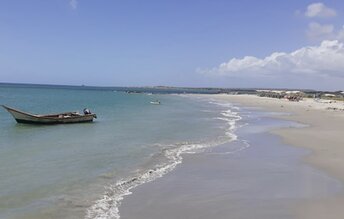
x,y
176,43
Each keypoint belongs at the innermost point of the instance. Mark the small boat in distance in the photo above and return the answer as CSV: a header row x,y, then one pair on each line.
x,y
155,102
60,118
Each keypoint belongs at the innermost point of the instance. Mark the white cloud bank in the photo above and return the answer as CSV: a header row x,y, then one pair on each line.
x,y
327,60
316,67
73,4
319,10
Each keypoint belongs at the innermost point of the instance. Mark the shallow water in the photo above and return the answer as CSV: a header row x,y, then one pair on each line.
x,y
65,171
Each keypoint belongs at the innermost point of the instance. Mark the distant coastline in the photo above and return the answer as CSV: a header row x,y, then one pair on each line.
x,y
271,92
142,89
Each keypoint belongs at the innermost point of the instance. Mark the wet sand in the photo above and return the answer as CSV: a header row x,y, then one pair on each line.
x,y
324,136
266,180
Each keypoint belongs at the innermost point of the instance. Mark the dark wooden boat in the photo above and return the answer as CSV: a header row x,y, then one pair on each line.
x,y
60,118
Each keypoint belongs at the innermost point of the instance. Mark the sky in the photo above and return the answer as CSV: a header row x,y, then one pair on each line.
x,y
194,43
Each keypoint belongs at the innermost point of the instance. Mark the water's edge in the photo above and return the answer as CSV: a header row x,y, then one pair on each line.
x,y
108,205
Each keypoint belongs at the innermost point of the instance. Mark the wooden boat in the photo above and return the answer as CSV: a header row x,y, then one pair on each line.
x,y
60,118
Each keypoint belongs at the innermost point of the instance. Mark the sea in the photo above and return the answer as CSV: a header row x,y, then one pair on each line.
x,y
85,170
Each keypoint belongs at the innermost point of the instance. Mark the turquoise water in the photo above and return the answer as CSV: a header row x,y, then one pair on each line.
x,y
84,170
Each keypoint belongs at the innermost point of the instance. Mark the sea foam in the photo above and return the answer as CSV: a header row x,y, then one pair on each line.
x,y
108,205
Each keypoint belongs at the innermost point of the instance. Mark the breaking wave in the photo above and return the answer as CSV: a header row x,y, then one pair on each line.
x,y
108,206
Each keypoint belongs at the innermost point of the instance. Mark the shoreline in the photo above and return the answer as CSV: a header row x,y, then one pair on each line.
x,y
317,119
323,136
298,207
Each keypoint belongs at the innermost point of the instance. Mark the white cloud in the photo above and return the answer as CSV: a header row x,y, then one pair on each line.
x,y
320,32
73,4
327,59
319,10
341,34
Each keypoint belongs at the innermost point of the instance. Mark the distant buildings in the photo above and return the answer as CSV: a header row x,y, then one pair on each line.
x,y
294,95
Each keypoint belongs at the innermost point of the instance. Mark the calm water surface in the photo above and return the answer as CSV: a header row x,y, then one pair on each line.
x,y
63,171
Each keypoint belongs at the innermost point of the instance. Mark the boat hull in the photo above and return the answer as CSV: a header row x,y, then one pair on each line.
x,y
52,122
64,118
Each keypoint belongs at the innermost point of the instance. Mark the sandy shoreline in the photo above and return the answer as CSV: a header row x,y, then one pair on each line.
x,y
323,136
206,187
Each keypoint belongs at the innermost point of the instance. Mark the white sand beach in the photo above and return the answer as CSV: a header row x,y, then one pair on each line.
x,y
324,136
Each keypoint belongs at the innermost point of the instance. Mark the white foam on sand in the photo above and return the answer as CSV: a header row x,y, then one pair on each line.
x,y
108,206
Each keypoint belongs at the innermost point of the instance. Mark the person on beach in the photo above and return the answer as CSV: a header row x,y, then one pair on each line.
x,y
87,111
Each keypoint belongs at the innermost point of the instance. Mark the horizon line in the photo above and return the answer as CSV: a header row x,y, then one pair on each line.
x,y
161,86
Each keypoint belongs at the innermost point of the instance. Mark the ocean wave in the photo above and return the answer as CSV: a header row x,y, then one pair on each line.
x,y
224,104
245,145
107,207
